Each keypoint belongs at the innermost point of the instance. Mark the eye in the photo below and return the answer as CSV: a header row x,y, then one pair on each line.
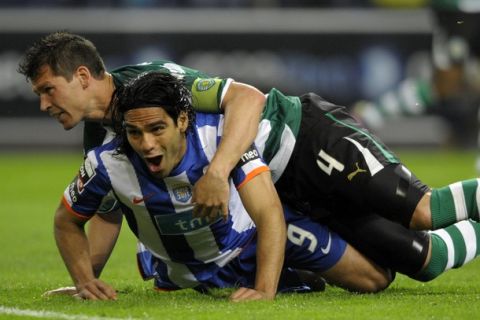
x,y
49,90
158,129
133,132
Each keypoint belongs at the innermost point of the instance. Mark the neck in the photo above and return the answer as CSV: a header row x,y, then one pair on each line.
x,y
105,90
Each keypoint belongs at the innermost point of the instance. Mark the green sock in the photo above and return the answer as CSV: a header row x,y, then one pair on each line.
x,y
455,202
452,247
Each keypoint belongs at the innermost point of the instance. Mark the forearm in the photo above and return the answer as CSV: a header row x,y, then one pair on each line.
x,y
243,106
270,254
73,246
262,203
103,232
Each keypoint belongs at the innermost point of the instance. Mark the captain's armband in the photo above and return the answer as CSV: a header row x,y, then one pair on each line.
x,y
207,94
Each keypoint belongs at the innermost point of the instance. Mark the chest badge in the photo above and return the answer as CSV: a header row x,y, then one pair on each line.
x,y
182,194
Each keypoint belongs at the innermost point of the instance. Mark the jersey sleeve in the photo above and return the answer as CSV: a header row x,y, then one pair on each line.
x,y
250,165
84,195
208,94
207,91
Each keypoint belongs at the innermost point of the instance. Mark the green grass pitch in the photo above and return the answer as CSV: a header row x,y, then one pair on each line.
x,y
30,264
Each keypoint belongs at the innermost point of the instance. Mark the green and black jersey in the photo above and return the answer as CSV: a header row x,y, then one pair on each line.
x,y
278,128
207,93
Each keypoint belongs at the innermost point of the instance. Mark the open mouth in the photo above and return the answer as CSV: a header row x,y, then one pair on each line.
x,y
153,163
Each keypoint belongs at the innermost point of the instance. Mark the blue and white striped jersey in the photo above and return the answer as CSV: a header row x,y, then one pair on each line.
x,y
159,212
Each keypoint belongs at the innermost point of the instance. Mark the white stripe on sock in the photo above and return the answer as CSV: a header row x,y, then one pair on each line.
x,y
459,200
450,249
470,239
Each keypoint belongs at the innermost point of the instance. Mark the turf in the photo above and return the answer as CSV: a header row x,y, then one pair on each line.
x,y
29,265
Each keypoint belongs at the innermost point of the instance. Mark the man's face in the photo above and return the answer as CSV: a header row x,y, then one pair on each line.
x,y
63,100
157,139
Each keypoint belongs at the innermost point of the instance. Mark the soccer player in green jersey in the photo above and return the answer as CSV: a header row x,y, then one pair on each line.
x,y
323,162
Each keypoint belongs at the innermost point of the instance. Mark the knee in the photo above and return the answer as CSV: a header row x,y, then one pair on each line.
x,y
366,282
376,282
422,217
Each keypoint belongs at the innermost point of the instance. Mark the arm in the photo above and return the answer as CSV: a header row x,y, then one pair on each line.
x,y
262,203
103,233
74,249
243,105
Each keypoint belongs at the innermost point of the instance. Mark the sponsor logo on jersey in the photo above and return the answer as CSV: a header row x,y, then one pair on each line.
x,y
354,173
182,193
180,223
205,84
72,190
85,175
250,155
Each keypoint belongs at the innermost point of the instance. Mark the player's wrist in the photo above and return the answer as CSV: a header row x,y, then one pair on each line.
x,y
219,170
268,291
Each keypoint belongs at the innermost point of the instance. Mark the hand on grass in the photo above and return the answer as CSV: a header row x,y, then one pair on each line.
x,y
96,290
247,294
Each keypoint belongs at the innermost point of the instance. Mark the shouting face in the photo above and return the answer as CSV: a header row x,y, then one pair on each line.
x,y
157,138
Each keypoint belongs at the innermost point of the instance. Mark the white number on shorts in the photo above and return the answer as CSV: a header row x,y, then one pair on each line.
x,y
298,235
331,163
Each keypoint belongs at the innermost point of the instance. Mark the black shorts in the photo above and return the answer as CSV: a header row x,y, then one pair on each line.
x,y
338,167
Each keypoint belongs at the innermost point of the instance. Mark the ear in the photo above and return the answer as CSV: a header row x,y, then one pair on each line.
x,y
182,122
84,76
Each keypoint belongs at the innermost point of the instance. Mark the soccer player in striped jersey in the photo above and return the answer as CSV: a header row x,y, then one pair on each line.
x,y
69,76
161,150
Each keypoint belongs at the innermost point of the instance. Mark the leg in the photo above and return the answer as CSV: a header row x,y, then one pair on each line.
x,y
389,244
420,255
455,202
398,195
451,247
312,246
444,206
357,273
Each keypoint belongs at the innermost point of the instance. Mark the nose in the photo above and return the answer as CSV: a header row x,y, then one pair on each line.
x,y
44,103
148,143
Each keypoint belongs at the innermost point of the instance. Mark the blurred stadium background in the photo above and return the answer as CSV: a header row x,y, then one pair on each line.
x,y
344,50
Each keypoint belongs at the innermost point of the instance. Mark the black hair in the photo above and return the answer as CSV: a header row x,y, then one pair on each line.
x,y
150,89
63,52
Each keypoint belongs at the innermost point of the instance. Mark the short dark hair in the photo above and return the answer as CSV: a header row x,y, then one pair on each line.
x,y
150,89
63,52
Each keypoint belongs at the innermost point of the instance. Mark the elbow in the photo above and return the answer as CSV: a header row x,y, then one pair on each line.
x,y
260,99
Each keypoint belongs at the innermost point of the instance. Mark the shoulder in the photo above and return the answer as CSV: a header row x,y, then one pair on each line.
x,y
106,151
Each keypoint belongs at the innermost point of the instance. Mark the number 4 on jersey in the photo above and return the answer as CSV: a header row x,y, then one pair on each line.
x,y
327,163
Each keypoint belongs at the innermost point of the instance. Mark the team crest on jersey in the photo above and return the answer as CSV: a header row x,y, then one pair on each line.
x,y
85,175
182,193
205,84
